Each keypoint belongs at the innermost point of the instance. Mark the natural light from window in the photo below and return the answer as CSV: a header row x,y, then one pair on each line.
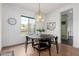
x,y
27,25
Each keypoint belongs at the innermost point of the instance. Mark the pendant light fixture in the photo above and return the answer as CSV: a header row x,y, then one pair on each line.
x,y
39,15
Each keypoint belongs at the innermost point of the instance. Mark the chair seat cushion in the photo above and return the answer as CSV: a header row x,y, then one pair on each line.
x,y
43,46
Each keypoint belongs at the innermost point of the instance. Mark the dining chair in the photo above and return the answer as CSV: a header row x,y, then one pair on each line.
x,y
55,42
43,45
26,43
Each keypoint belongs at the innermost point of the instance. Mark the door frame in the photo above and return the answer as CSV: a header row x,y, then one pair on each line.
x,y
60,21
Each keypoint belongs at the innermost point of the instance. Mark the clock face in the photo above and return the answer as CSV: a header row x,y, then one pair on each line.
x,y
12,21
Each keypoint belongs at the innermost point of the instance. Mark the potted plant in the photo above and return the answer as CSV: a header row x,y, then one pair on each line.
x,y
41,30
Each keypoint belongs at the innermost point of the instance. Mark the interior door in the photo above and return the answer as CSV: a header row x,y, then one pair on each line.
x,y
67,27
64,33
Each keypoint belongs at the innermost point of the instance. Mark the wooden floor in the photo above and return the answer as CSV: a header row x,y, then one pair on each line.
x,y
64,50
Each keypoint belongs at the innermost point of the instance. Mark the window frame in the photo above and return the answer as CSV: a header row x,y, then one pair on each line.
x,y
29,22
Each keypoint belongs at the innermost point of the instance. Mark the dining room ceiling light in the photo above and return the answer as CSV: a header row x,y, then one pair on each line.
x,y
39,15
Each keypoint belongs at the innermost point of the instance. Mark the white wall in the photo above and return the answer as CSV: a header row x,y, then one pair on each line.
x,y
11,33
0,28
54,16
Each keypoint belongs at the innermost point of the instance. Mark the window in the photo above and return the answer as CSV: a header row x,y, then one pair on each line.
x,y
27,25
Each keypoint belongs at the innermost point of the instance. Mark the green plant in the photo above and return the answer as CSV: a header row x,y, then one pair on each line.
x,y
41,30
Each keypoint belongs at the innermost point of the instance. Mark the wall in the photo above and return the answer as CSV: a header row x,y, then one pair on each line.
x,y
0,28
55,17
11,33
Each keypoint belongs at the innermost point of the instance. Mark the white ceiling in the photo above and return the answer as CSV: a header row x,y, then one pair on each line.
x,y
45,7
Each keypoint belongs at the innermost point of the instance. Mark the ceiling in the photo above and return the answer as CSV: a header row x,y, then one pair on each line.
x,y
45,7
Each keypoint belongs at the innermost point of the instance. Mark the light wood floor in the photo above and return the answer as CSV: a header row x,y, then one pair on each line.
x,y
64,50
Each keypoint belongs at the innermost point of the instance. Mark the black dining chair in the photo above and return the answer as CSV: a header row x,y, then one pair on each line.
x,y
43,44
55,42
26,43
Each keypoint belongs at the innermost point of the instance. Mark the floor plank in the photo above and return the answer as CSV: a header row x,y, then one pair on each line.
x,y
64,50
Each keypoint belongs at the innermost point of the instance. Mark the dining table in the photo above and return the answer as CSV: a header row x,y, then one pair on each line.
x,y
38,37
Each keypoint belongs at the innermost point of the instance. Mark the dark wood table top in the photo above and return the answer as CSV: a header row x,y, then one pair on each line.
x,y
42,36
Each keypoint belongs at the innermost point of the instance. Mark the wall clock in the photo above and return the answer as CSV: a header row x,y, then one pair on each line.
x,y
12,21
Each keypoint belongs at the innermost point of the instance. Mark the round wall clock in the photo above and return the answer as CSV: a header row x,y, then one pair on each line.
x,y
12,21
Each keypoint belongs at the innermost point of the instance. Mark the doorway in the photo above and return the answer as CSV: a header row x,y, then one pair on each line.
x,y
67,27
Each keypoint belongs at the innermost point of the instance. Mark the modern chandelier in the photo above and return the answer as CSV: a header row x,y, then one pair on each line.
x,y
39,15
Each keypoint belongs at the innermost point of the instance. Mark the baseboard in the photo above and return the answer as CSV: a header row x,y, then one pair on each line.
x,y
13,45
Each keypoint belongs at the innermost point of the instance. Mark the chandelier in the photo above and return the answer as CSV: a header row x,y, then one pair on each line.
x,y
39,15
